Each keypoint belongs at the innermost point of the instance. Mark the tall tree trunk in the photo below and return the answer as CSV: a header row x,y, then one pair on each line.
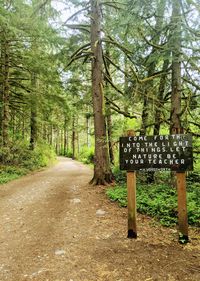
x,y
175,121
145,110
102,171
109,130
65,136
150,86
6,94
108,112
77,137
50,134
152,67
57,140
77,143
44,128
22,123
158,112
88,130
13,125
1,89
61,141
159,106
73,138
176,68
33,120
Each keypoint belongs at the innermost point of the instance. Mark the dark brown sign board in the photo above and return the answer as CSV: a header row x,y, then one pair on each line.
x,y
160,152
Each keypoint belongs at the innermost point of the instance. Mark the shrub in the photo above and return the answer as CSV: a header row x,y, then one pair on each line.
x,y
8,173
69,154
119,175
42,156
160,201
86,155
21,159
5,155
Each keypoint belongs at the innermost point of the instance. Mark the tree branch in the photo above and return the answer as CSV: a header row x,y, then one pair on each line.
x,y
78,26
111,83
78,57
191,83
75,14
149,42
84,47
116,108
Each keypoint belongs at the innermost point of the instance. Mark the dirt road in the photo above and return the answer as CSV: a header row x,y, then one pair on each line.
x,y
56,227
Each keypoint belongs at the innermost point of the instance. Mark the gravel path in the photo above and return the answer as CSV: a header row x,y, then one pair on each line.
x,y
56,227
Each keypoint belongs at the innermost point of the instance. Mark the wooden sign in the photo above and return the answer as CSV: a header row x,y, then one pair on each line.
x,y
151,153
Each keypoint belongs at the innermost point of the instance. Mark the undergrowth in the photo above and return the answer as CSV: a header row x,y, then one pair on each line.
x,y
8,173
86,155
159,200
18,160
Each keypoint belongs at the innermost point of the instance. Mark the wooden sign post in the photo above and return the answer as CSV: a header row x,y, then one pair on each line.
x,y
131,193
132,211
152,153
182,207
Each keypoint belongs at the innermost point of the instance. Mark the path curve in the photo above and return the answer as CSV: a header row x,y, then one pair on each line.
x,y
56,227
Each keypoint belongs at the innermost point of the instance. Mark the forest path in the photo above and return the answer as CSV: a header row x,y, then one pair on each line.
x,y
56,227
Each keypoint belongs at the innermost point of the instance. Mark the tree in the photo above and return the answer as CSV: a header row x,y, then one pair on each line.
x,y
176,68
5,90
29,77
102,171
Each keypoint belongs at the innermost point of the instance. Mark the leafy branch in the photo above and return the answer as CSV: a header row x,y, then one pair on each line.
x,y
116,108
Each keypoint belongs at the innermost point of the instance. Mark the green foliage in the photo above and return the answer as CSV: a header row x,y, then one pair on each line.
x,y
69,153
119,175
20,159
86,155
42,156
21,155
194,177
119,193
5,155
8,173
193,197
160,201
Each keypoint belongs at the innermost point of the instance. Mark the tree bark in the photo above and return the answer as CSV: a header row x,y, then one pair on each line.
x,y
102,171
50,134
1,90
161,91
158,113
150,87
57,141
88,130
73,138
5,94
77,138
175,120
61,141
109,130
65,136
176,68
144,113
152,67
23,125
108,112
33,120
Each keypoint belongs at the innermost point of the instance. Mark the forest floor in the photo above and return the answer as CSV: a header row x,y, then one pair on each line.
x,y
56,227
